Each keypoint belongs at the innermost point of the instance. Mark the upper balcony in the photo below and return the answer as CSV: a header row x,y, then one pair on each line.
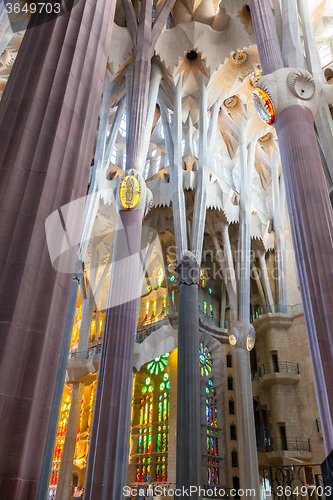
x,y
282,372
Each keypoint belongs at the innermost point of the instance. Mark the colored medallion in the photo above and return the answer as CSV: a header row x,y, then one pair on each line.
x,y
239,57
129,192
231,102
263,106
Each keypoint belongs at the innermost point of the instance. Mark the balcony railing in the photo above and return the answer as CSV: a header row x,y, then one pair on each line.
x,y
290,444
279,308
280,367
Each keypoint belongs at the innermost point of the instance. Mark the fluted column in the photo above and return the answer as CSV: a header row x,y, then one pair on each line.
x,y
266,36
312,230
66,466
311,222
108,455
44,479
188,466
48,117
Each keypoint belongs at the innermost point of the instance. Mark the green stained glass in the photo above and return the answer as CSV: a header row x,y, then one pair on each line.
x,y
140,444
168,384
162,386
205,360
165,410
144,390
160,411
158,364
158,443
165,377
150,388
147,381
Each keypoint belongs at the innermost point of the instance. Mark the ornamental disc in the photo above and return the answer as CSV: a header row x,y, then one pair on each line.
x,y
263,106
129,192
239,57
265,137
231,102
255,78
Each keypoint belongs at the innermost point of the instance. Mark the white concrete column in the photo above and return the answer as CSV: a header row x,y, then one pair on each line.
x,y
258,283
66,466
174,152
265,279
292,51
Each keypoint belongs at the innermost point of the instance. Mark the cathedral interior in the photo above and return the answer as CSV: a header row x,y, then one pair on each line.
x,y
166,180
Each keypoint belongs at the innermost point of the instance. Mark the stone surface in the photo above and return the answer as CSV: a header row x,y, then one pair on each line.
x,y
48,118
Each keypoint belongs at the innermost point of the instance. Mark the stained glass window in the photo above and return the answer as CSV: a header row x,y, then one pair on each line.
x,y
159,277
212,435
164,303
153,309
205,359
147,310
205,308
173,297
93,330
158,364
150,429
61,432
211,311
202,280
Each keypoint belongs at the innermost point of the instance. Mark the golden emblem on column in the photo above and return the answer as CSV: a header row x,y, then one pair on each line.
x,y
129,192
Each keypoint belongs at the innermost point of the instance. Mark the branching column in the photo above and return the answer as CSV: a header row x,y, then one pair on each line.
x,y
311,223
108,456
248,464
48,117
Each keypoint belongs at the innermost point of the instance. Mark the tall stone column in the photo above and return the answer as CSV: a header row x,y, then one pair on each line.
x,y
66,466
188,468
324,123
48,117
44,479
311,221
108,455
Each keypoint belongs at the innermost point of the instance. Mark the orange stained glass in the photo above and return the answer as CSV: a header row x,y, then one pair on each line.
x,y
93,330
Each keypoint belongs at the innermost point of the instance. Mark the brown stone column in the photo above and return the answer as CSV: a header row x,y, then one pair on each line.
x,y
266,36
48,118
108,456
311,221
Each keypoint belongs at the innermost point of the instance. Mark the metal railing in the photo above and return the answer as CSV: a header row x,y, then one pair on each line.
x,y
290,444
94,348
318,423
279,367
144,330
295,482
277,308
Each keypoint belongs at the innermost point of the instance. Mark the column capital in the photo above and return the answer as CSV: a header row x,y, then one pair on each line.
x,y
242,335
188,271
284,88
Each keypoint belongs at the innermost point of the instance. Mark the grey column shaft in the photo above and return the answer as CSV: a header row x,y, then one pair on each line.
x,y
58,391
108,457
188,390
66,466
